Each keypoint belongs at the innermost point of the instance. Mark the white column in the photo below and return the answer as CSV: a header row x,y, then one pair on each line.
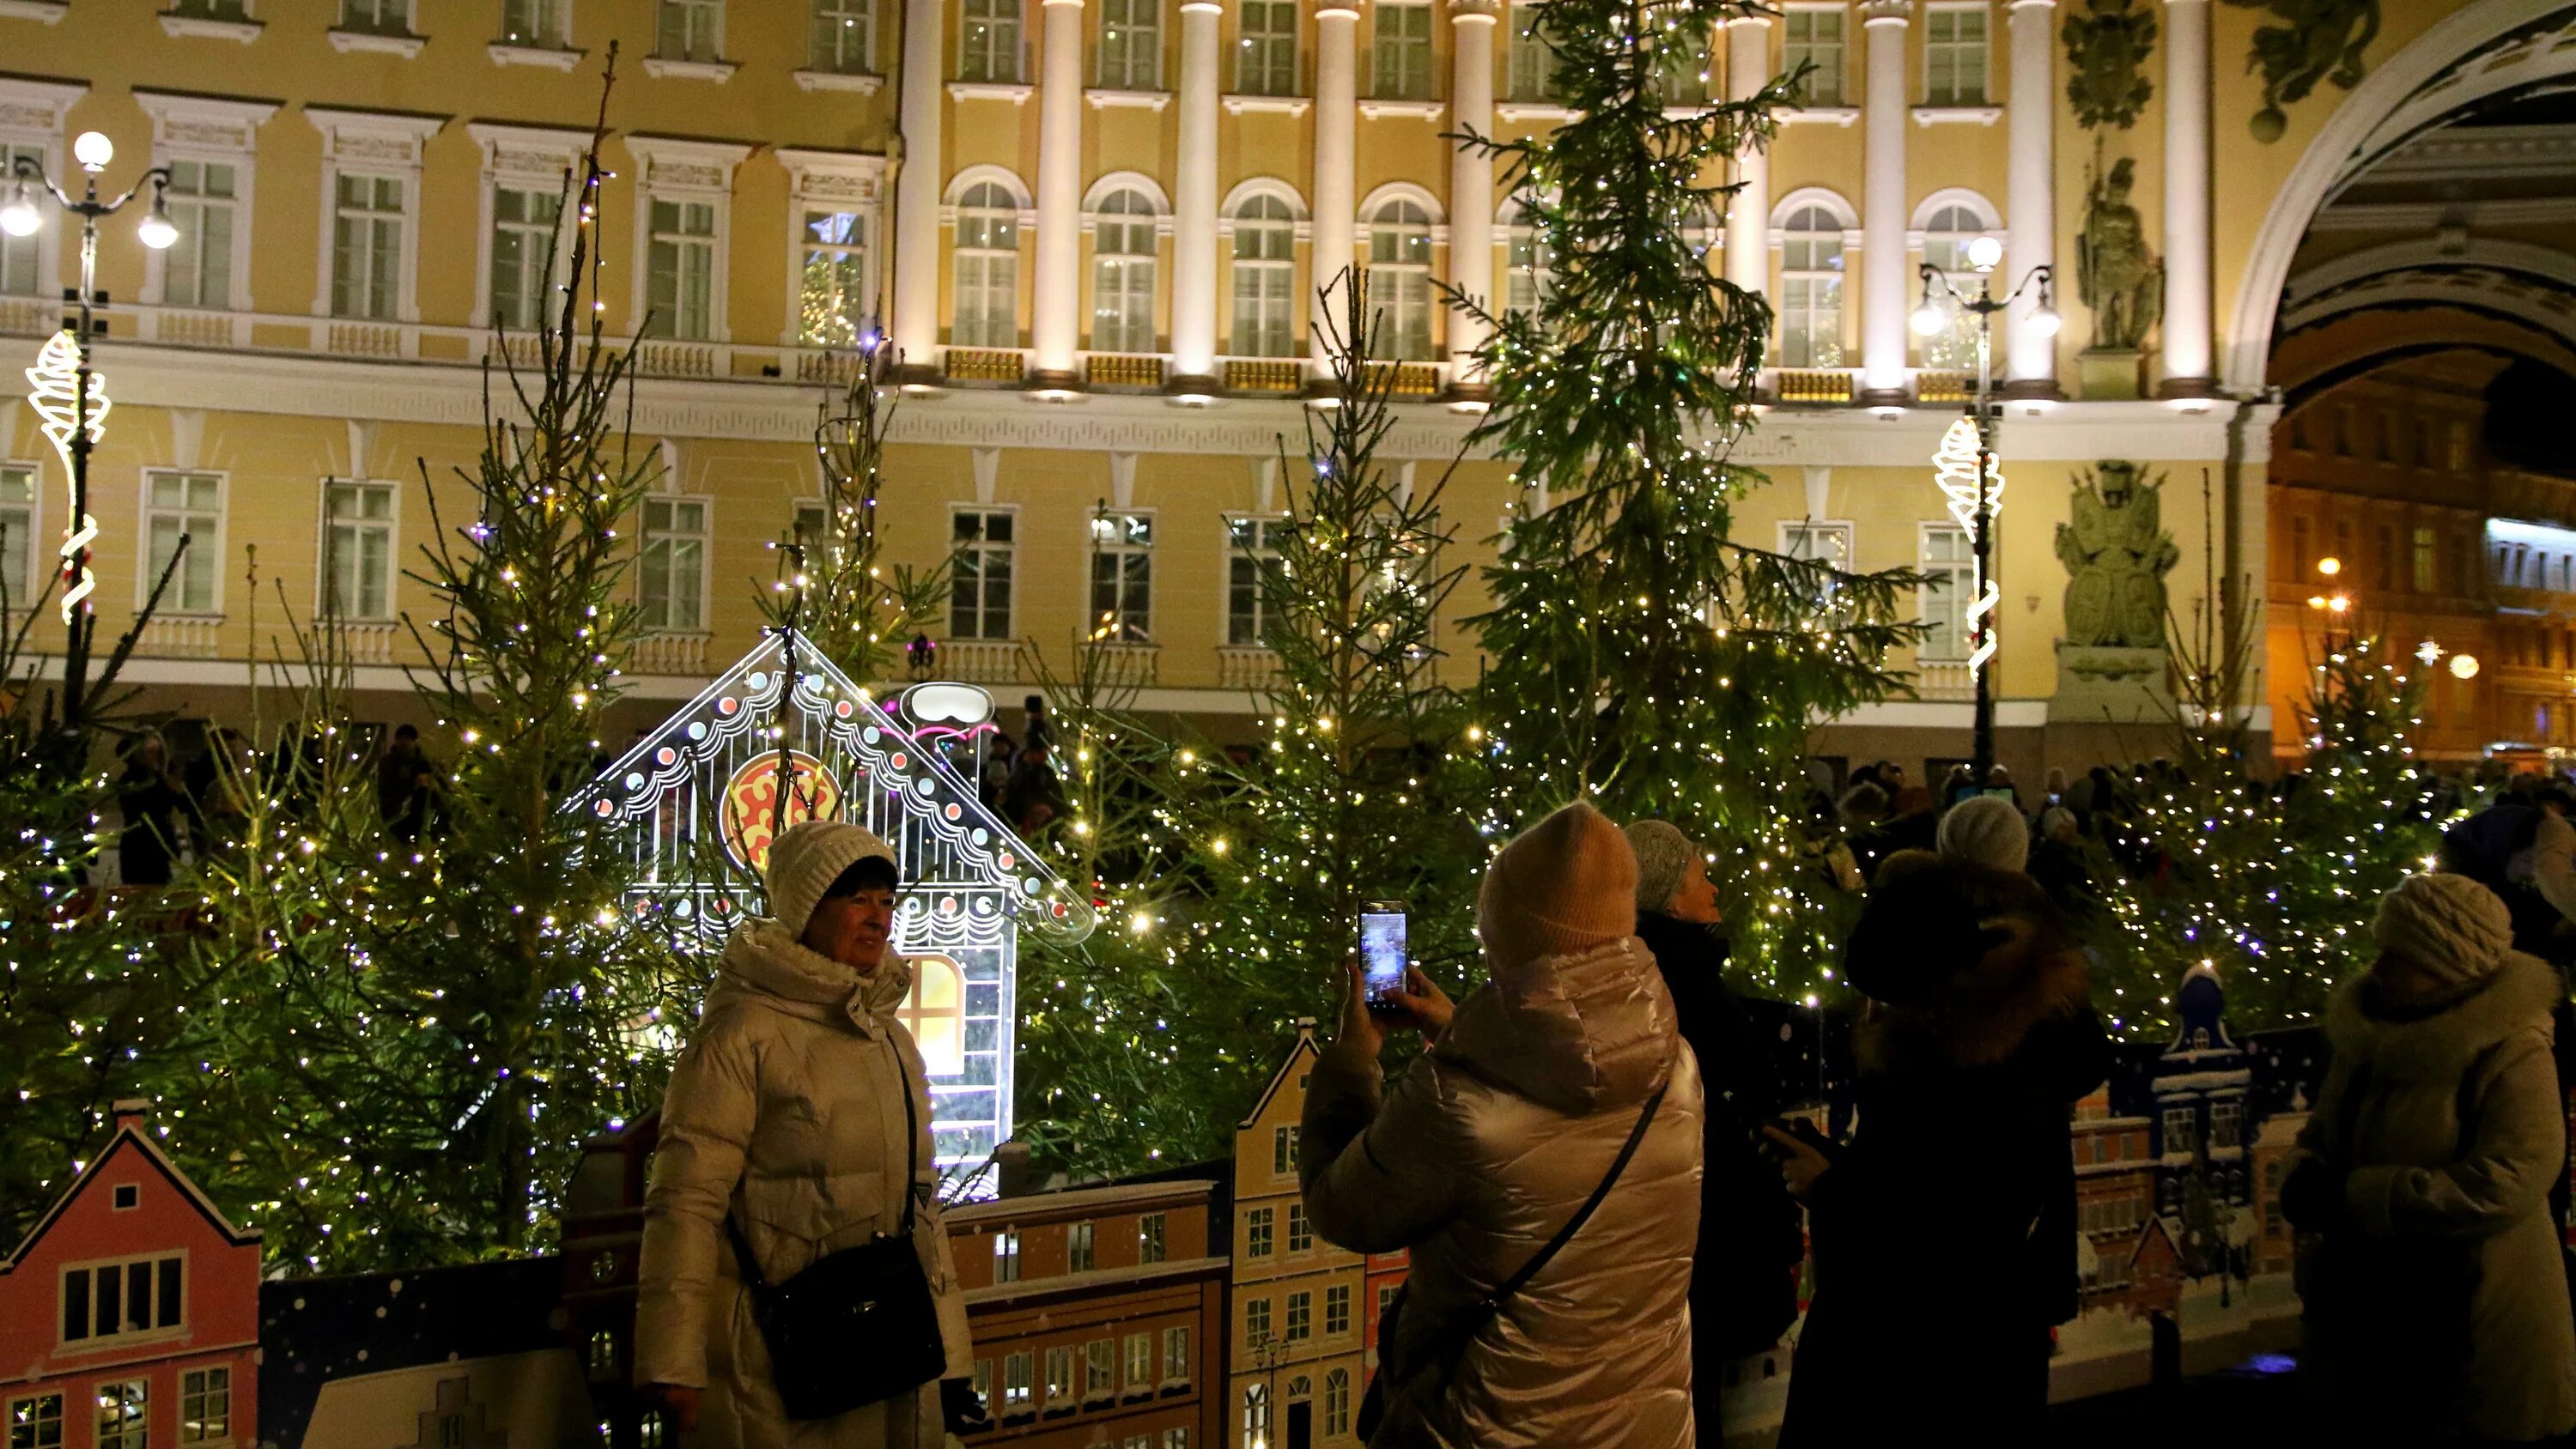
x,y
1748,218
1471,185
2030,196
1055,328
1337,108
2183,368
1194,203
1885,298
916,190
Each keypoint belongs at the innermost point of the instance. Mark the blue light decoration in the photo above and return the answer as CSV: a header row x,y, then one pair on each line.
x,y
695,803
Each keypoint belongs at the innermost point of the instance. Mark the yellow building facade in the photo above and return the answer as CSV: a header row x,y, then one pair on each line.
x,y
1094,228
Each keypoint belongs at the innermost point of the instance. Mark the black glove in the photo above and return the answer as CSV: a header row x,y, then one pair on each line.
x,y
2312,1197
961,1409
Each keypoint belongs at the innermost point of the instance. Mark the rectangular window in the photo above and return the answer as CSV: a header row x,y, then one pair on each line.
x,y
1301,1230
2226,1124
1256,1232
1017,1371
1176,1355
36,1422
2182,1135
1337,1309
197,270
1954,55
1140,1360
1100,1369
1077,1246
358,544
523,245
1256,1321
979,582
1301,1317
124,1415
1149,1238
1283,1151
376,17
1059,1379
2425,551
675,577
1122,578
19,571
680,271
1529,268
367,247
2299,543
1533,72
534,24
845,37
205,1406
1131,45
1176,1439
1386,1296
1829,544
1949,566
1265,56
2384,564
189,505
1252,559
1122,276
690,30
1813,39
990,41
1811,290
22,257
1401,51
1006,1257
832,312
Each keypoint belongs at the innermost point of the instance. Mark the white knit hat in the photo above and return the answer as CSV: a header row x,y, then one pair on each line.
x,y
2448,926
1663,858
1987,830
807,858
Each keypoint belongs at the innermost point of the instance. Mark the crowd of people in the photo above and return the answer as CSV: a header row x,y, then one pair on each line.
x,y
194,809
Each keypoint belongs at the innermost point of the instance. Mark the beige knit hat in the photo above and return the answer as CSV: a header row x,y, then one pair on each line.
x,y
2449,927
1663,858
1564,885
807,858
1988,830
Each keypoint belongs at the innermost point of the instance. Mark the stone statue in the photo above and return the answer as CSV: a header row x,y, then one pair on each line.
x,y
2107,43
2316,40
2117,277
2116,554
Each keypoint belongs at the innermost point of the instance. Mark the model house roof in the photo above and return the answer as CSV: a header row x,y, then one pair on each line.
x,y
130,1136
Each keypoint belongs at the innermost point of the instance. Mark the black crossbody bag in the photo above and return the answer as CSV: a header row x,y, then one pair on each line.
x,y
858,1326
1442,1356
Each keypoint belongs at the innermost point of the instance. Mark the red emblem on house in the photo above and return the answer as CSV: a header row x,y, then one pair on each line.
x,y
751,814
129,1317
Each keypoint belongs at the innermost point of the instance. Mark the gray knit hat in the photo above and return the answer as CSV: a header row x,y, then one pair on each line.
x,y
1986,829
807,858
2448,926
1663,858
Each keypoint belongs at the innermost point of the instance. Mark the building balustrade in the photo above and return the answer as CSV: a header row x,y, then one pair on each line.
x,y
1246,668
670,653
172,635
980,661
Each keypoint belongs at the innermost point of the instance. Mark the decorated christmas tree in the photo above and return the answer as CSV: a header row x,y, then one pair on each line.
x,y
1640,651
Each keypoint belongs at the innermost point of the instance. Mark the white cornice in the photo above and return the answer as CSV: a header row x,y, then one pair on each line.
x,y
549,57
858,82
48,12
2422,216
199,27
1273,105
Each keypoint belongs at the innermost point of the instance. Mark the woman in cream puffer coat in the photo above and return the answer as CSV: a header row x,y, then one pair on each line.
x,y
1493,1138
2434,1282
787,1111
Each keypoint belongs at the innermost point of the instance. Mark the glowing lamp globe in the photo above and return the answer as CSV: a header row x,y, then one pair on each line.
x,y
1928,320
2464,666
1984,252
93,150
20,217
157,230
2045,322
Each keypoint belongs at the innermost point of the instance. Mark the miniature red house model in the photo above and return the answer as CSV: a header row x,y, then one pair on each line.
x,y
129,1318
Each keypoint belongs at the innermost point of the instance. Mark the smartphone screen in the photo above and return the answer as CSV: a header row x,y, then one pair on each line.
x,y
1382,950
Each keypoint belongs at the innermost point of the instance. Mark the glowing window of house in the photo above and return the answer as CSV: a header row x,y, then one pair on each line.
x,y
935,1013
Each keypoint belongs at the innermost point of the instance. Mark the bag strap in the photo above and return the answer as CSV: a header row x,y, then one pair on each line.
x,y
1493,1302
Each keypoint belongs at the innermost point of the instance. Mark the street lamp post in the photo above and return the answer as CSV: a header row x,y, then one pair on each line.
x,y
1984,254
76,435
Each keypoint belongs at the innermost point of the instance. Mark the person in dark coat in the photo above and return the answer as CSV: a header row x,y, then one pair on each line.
x,y
1032,796
1744,1276
1945,1231
151,797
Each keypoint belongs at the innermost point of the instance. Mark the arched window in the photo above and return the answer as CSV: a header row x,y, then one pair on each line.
x,y
1337,1403
1528,266
1122,274
1811,289
935,1012
1256,1417
1945,247
1265,277
1700,229
1399,279
987,279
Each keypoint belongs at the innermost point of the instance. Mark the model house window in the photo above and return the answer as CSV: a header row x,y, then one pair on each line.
x,y
191,504
197,271
376,17
1252,557
1301,1233
102,1301
1337,1403
675,564
991,41
1265,54
1401,51
1533,64
2181,1131
1140,1360
690,30
1256,1414
124,1414
1949,567
1954,55
358,537
979,582
18,571
832,312
1811,289
1006,1256
1945,249
845,37
1399,274
2226,1124
1385,1295
536,24
1176,1439
367,247
523,245
1131,44
1122,578
36,1422
1301,1316
1077,1247
1337,1309
1017,1371
1059,1379
1100,1369
1122,274
1528,266
1150,1242
1265,282
22,257
1283,1151
1176,1355
1256,1232
680,270
1813,39
987,263
1256,1321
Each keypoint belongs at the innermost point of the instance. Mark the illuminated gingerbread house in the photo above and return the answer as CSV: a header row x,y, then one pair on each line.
x,y
697,800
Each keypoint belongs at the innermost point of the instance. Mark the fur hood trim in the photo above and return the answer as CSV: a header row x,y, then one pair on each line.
x,y
1981,1016
2438,1047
